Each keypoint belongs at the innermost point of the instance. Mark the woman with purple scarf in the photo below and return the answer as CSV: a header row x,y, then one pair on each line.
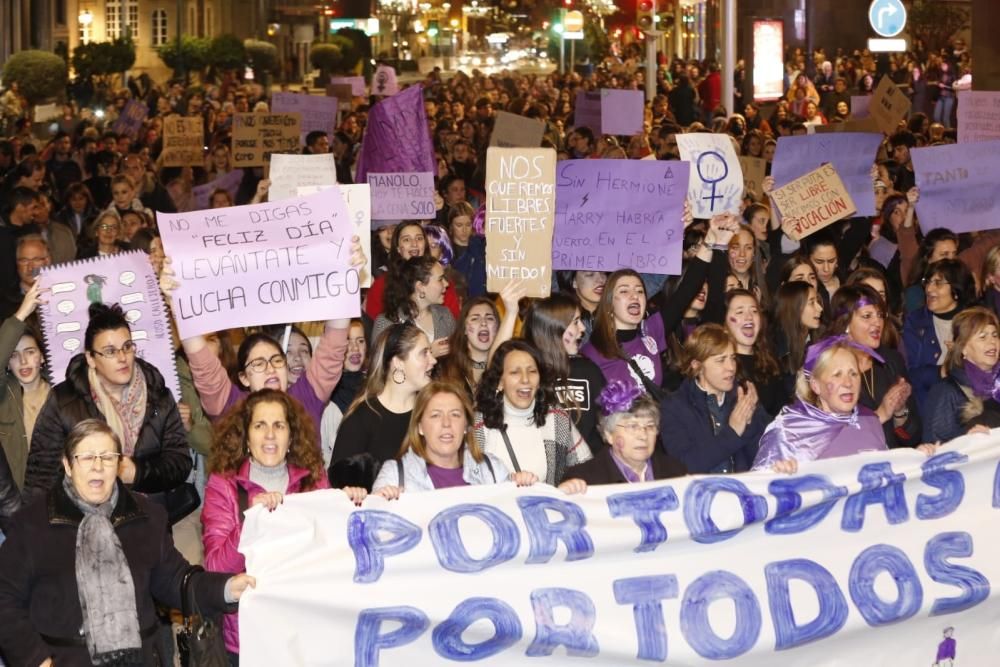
x,y
967,399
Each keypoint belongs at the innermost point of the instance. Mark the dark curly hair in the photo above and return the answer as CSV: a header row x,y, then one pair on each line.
x,y
489,399
229,445
402,283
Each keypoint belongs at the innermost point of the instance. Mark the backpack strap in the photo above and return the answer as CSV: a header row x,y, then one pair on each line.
x,y
242,499
510,449
489,464
399,469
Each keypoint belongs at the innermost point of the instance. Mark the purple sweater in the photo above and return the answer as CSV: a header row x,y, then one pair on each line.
x,y
644,350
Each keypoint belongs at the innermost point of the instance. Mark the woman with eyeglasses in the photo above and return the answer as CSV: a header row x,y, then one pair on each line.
x,y
103,237
82,565
261,363
23,388
108,381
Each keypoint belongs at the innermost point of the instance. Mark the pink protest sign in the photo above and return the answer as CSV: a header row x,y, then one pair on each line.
x,y
229,182
357,83
127,279
262,264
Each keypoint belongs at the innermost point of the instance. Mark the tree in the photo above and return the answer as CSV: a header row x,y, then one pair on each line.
x,y
936,22
99,61
186,57
226,52
327,58
39,75
262,57
361,45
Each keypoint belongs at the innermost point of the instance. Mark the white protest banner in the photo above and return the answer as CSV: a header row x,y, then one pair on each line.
x,y
46,112
613,214
511,130
812,202
716,184
958,186
384,81
358,198
291,171
402,196
978,115
262,264
883,558
318,112
520,204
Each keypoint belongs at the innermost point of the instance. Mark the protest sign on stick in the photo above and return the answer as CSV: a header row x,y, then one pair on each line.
x,y
318,112
343,92
811,202
183,142
396,138
230,182
257,135
958,185
754,170
889,106
357,84
520,205
512,131
358,198
262,264
978,116
129,122
402,196
290,172
621,111
384,82
613,214
126,279
883,558
853,155
716,182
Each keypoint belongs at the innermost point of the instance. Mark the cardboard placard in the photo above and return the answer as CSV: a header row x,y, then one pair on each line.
x,y
46,112
716,183
183,142
754,171
319,113
257,135
613,214
520,208
812,202
978,115
513,131
853,154
864,125
889,105
402,196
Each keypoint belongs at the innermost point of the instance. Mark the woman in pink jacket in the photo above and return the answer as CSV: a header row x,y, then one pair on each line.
x,y
264,448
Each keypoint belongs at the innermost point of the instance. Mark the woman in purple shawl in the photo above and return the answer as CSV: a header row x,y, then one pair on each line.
x,y
825,420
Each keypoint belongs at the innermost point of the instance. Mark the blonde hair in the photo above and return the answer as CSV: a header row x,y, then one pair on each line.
x,y
802,387
706,341
415,441
964,326
990,266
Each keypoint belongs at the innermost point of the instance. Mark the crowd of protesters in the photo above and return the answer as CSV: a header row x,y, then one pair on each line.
x,y
764,352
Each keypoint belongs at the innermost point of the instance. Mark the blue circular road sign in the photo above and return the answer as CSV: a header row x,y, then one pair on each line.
x,y
887,17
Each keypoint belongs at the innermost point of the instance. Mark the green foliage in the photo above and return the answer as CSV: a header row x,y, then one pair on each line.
x,y
190,55
935,22
327,58
350,53
263,56
226,52
39,75
102,59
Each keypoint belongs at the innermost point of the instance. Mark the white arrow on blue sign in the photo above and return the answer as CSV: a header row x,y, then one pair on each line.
x,y
887,17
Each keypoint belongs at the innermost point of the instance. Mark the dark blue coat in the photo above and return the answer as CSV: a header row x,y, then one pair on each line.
x,y
472,264
922,353
686,432
943,419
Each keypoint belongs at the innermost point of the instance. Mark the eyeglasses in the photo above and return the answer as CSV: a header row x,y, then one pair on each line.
x,y
935,282
32,261
107,227
260,364
127,349
637,429
26,356
90,458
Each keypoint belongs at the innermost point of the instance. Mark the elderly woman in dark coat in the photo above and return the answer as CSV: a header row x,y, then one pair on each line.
x,y
81,567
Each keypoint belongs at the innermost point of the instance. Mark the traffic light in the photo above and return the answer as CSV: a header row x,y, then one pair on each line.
x,y
645,14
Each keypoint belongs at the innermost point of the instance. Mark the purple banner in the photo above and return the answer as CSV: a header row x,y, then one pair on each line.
x,y
127,279
613,214
402,196
587,112
859,106
317,112
230,182
851,153
959,188
262,264
397,139
131,119
621,111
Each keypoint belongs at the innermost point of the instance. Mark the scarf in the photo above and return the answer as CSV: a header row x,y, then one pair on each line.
x,y
104,583
124,415
983,383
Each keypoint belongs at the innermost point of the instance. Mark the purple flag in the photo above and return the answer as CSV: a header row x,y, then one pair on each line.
x,y
131,118
621,111
613,214
127,279
958,186
397,139
851,153
587,112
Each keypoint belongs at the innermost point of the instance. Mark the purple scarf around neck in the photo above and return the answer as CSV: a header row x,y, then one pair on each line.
x,y
984,384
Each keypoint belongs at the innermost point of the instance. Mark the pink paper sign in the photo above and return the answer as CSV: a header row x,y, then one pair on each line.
x,y
357,83
621,111
262,264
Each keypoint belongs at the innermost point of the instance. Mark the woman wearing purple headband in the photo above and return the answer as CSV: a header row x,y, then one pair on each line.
x,y
629,423
825,421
